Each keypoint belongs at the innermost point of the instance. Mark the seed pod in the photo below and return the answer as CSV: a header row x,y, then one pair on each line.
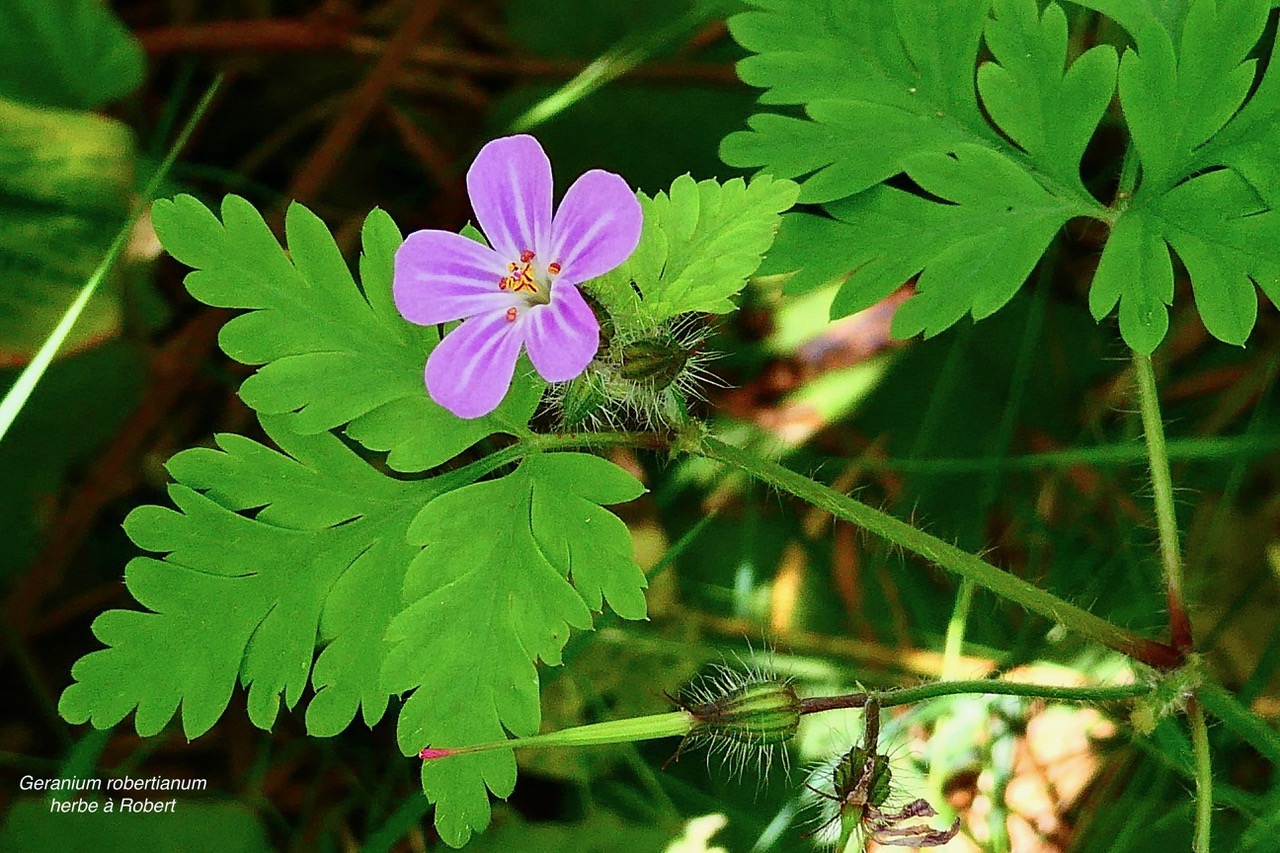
x,y
756,713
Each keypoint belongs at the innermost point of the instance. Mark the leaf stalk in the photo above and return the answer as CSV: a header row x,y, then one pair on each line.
x,y
945,555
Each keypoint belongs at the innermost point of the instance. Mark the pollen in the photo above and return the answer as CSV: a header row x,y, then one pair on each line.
x,y
520,276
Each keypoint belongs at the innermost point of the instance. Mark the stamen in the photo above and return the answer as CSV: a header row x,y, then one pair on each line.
x,y
554,268
526,256
521,277
512,313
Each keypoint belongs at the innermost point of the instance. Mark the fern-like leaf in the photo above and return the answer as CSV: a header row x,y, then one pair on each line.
x,y
332,354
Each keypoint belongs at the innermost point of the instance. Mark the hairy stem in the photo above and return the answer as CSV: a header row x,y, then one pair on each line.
x,y
909,695
536,443
1204,776
945,555
1162,486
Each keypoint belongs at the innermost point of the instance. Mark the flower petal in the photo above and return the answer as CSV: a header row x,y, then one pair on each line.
x,y
596,228
442,276
562,337
470,371
510,188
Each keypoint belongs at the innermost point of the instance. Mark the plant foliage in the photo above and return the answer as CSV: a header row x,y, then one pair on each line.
x,y
333,354
74,54
888,89
700,242
486,606
308,567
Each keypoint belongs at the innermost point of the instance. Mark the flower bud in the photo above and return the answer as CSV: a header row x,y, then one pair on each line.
x,y
582,403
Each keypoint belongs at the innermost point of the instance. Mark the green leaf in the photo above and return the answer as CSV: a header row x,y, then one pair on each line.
x,y
247,597
1182,92
1249,141
1224,234
700,243
271,555
70,53
333,353
509,566
1175,100
1136,270
975,252
65,183
880,80
1049,113
1184,89
888,89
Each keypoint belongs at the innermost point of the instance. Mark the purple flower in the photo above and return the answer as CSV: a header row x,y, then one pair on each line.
x,y
522,293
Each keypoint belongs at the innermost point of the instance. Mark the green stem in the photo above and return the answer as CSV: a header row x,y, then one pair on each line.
x,y
537,443
987,686
1206,448
627,730
945,555
679,723
567,440
1238,718
1204,776
1162,486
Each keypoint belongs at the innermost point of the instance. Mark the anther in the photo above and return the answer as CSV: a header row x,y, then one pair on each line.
x,y
526,256
553,268
511,315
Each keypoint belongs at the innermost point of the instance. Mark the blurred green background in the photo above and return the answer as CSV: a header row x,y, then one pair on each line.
x,y
1015,437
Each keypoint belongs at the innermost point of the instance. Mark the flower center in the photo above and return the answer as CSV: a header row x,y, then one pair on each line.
x,y
525,277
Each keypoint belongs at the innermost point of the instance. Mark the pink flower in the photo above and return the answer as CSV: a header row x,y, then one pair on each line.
x,y
522,293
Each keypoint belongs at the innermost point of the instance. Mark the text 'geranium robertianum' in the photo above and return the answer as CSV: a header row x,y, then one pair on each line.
x,y
522,292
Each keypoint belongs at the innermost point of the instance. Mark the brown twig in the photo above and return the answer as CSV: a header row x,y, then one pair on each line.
x,y
280,35
506,65
290,35
364,102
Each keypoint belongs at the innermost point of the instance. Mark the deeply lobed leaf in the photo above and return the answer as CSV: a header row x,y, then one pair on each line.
x,y
878,81
333,353
509,566
246,597
974,252
895,96
268,556
1223,233
700,242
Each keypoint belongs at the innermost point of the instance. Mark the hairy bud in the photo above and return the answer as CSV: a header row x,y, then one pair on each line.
x,y
641,376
